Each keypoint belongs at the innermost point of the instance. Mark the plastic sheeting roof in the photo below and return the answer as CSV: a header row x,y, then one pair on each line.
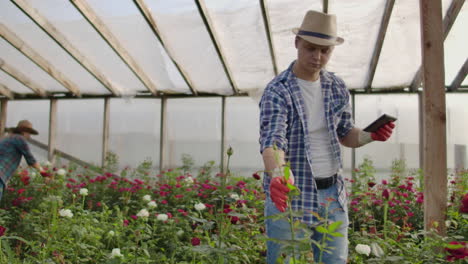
x,y
211,46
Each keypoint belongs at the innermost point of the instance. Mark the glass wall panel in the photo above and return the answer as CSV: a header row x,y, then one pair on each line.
x,y
455,49
404,142
193,128
242,134
79,128
134,130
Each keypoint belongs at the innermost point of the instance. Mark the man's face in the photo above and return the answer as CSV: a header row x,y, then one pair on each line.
x,y
311,58
26,135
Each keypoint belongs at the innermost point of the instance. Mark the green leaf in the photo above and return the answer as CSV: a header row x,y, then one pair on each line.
x,y
376,250
321,229
451,246
333,226
336,234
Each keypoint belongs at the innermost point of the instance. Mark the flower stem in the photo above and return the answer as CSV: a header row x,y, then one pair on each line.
x,y
291,225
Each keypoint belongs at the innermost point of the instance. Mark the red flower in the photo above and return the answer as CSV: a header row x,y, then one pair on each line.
x,y
256,176
386,194
464,205
45,174
459,253
2,230
196,241
125,222
25,179
371,184
234,219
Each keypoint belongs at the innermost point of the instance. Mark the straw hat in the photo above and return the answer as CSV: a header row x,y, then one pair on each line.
x,y
23,126
319,28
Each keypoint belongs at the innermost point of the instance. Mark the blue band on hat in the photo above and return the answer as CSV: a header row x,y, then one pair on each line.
x,y
314,34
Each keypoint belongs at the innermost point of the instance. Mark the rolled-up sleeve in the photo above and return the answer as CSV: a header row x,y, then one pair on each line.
x,y
346,120
23,148
273,121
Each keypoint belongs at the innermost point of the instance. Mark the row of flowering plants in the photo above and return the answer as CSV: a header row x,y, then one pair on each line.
x,y
78,215
387,218
93,215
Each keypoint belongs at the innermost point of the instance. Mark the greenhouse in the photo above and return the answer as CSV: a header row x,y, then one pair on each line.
x,y
148,118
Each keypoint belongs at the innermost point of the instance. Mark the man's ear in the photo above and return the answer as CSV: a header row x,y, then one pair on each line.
x,y
296,41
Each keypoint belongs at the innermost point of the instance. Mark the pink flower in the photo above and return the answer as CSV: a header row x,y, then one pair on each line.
x,y
384,182
420,200
164,202
410,214
256,176
134,217
178,196
386,194
125,222
196,241
2,231
234,219
459,253
464,204
391,211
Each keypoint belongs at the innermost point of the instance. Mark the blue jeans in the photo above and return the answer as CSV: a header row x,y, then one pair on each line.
x,y
280,229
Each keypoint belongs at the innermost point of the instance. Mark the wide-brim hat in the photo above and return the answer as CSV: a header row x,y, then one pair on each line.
x,y
319,28
23,126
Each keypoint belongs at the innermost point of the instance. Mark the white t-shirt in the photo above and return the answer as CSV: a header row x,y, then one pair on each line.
x,y
324,164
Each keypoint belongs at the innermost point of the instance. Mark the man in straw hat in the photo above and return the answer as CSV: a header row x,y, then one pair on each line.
x,y
305,114
12,148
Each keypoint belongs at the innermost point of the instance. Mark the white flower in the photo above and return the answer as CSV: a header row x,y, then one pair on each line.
x,y
152,204
143,213
83,191
180,232
200,206
363,249
162,217
189,180
111,233
234,196
66,213
116,253
61,172
47,164
32,175
147,198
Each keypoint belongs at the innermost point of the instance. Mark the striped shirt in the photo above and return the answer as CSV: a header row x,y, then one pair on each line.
x,y
283,122
12,148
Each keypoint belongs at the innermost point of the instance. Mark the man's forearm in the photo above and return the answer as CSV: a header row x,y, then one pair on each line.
x,y
272,159
356,138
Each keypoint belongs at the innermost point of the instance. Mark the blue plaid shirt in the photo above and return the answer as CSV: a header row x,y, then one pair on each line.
x,y
12,148
283,122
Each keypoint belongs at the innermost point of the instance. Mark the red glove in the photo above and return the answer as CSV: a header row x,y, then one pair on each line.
x,y
278,192
384,132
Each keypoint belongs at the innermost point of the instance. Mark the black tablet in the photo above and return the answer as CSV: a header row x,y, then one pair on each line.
x,y
382,120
